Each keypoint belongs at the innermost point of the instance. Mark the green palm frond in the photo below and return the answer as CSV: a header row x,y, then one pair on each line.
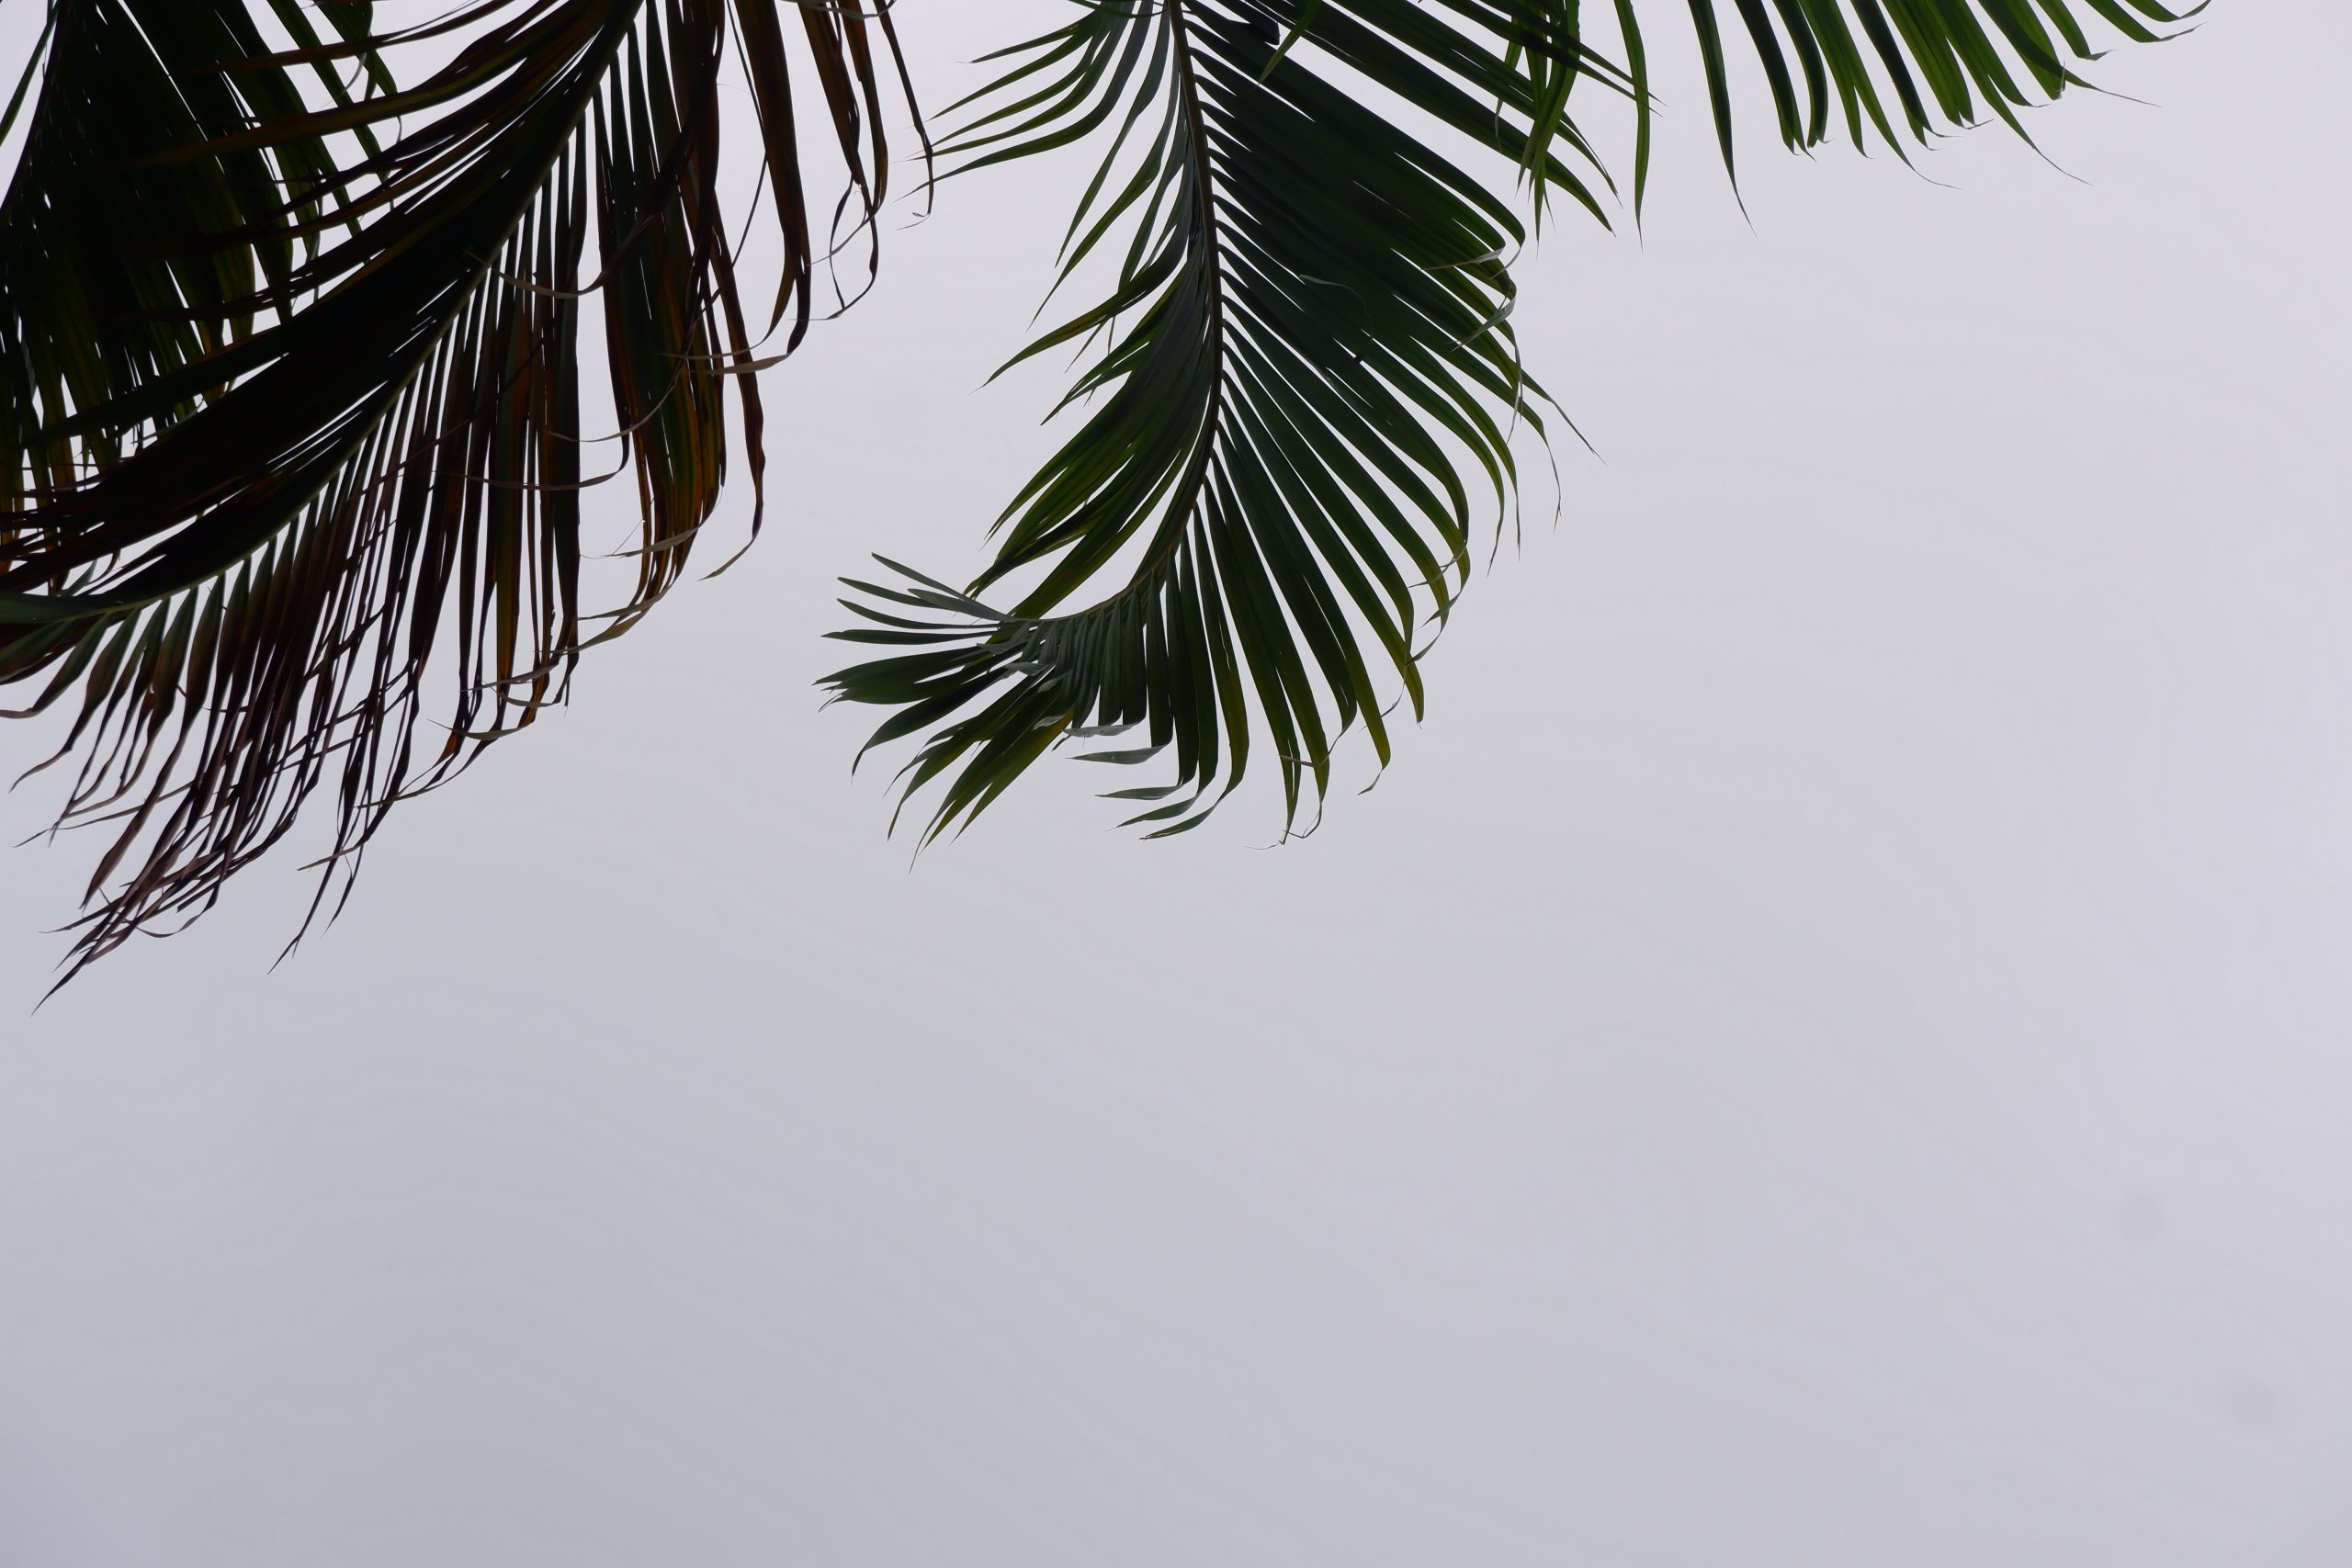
x,y
1931,64
350,450
1316,381
1308,384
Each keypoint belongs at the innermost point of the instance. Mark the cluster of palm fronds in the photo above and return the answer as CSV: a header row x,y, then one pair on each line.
x,y
292,346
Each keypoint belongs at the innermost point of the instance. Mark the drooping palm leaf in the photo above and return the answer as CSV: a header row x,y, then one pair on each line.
x,y
1309,371
1316,379
276,531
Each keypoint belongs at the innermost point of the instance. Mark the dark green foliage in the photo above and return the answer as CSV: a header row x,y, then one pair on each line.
x,y
1316,386
292,358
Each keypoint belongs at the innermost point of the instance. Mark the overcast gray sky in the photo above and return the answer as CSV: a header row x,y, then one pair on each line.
x,y
1833,1045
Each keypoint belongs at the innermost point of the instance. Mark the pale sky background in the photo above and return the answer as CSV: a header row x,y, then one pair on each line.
x,y
1832,1046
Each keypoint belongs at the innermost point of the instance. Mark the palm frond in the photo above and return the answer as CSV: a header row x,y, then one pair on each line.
x,y
1930,65
1309,380
1308,385
363,460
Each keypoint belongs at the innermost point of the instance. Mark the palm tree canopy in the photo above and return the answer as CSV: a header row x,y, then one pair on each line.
x,y
316,321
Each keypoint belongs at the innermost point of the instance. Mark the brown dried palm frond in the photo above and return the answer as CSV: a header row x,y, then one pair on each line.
x,y
295,388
